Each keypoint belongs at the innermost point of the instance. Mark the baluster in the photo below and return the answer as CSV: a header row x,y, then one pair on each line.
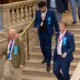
x,y
13,16
22,14
30,12
34,10
36,7
17,14
26,13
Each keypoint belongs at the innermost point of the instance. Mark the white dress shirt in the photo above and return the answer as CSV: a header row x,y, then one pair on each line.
x,y
59,45
43,15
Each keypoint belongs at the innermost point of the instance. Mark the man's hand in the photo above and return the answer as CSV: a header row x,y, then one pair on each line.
x,y
55,33
64,55
35,30
60,54
21,67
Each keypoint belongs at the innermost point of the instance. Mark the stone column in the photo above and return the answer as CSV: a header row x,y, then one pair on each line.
x,y
5,17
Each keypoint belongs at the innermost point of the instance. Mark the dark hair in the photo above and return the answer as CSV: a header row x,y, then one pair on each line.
x,y
42,4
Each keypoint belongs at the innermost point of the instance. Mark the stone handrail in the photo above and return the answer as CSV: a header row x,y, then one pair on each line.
x,y
17,12
76,74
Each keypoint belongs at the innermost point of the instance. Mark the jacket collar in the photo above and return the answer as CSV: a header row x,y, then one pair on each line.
x,y
64,35
46,13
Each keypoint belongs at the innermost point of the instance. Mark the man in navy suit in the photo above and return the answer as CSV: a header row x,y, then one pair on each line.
x,y
44,21
63,54
58,7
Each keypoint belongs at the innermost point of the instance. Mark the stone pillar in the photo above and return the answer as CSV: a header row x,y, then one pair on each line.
x,y
5,17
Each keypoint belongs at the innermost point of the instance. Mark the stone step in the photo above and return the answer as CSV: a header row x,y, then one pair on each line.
x,y
37,63
74,31
41,72
37,49
77,37
38,55
73,27
77,43
30,77
69,21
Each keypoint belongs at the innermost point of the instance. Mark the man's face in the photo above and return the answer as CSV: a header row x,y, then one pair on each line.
x,y
62,28
43,9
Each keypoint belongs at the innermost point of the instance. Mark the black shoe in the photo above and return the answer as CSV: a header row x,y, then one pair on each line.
x,y
48,69
79,17
74,22
44,61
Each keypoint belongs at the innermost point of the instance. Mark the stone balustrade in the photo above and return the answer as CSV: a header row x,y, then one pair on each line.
x,y
17,13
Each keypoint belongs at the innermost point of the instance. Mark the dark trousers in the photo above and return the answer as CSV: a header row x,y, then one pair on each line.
x,y
45,44
59,64
65,2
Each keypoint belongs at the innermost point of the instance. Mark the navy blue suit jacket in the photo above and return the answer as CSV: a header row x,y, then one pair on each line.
x,y
59,5
68,46
51,22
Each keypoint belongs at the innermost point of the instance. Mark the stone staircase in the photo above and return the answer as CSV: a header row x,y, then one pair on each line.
x,y
34,70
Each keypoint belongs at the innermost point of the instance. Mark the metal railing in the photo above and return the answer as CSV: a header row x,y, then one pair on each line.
x,y
27,36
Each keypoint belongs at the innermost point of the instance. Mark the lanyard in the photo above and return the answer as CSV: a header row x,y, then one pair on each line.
x,y
43,15
59,40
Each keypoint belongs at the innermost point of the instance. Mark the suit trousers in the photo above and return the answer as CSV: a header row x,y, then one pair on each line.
x,y
73,6
10,72
65,3
61,69
58,15
45,44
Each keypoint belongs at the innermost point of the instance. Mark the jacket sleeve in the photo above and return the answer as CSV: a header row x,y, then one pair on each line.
x,y
22,53
55,53
71,43
55,22
55,50
48,4
36,20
